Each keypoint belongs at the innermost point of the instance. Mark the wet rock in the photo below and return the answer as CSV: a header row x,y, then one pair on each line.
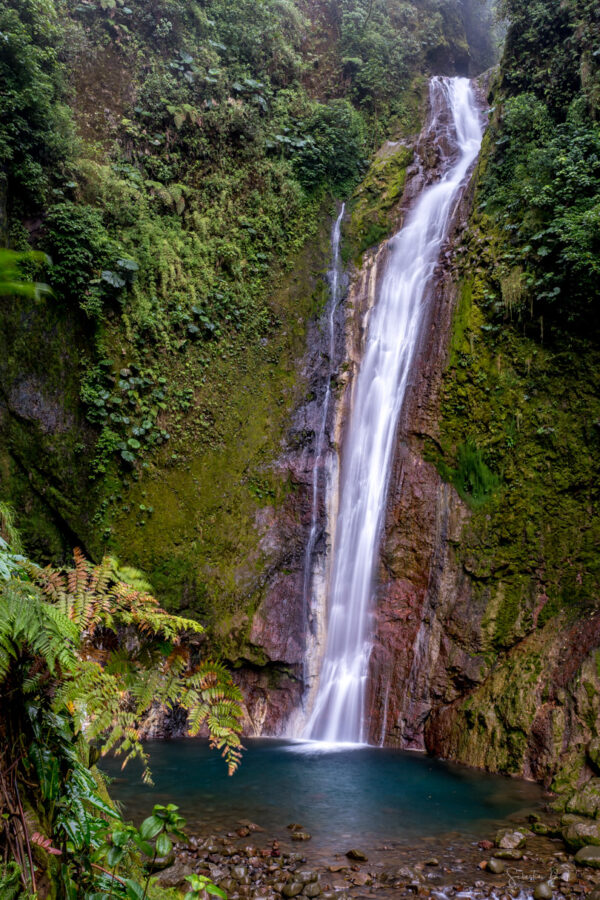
x,y
162,862
486,845
312,890
542,891
567,874
586,801
305,875
293,889
361,879
432,862
239,872
301,836
593,753
511,840
588,856
581,834
175,875
356,854
508,854
543,828
496,866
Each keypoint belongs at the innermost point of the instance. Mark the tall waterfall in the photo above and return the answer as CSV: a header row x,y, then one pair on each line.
x,y
392,335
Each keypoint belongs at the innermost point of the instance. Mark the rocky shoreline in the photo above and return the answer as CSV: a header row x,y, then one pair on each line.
x,y
536,856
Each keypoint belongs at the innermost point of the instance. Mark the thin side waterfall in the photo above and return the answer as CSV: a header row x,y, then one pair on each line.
x,y
393,333
320,478
334,298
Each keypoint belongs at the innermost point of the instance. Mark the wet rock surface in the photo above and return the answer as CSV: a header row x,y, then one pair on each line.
x,y
264,867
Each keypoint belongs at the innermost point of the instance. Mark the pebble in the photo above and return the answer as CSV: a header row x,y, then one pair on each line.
x,y
496,866
301,836
356,854
293,889
542,891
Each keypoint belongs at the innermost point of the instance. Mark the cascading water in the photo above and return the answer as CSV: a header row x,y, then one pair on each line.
x,y
334,297
393,333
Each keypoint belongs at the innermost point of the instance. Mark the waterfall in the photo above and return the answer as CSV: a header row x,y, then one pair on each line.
x,y
392,335
334,297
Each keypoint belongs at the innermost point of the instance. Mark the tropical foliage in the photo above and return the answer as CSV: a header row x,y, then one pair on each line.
x,y
83,656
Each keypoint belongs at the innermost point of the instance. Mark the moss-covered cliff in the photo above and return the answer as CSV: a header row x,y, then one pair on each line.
x,y
175,160
496,661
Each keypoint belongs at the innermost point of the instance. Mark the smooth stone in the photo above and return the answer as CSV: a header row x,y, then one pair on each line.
x,y
162,862
542,891
588,856
361,879
542,829
432,862
508,854
358,855
496,866
239,872
312,890
175,875
293,889
305,875
300,836
511,840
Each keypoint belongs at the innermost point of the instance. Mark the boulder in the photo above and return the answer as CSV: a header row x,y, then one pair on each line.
x,y
582,833
588,856
586,802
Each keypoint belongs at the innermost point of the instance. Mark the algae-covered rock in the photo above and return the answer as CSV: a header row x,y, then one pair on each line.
x,y
588,856
511,840
582,833
593,753
586,801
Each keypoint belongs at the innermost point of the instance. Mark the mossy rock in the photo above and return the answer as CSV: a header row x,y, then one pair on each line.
x,y
581,834
586,802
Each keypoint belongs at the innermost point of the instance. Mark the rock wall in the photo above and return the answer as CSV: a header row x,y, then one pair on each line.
x,y
480,655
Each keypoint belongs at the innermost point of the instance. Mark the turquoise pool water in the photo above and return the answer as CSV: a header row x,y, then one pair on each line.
x,y
361,794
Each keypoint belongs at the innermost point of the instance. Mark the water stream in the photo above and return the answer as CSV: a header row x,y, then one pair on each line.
x,y
320,480
392,335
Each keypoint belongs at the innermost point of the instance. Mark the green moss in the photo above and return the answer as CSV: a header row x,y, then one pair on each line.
x,y
200,545
372,217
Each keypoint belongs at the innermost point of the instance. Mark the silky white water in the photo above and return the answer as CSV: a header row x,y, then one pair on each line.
x,y
334,298
392,335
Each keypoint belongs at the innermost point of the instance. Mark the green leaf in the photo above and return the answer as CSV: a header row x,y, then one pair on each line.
x,y
134,890
113,279
114,856
163,845
150,827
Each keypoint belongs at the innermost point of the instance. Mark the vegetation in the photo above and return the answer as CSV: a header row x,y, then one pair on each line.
x,y
185,155
524,355
82,648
